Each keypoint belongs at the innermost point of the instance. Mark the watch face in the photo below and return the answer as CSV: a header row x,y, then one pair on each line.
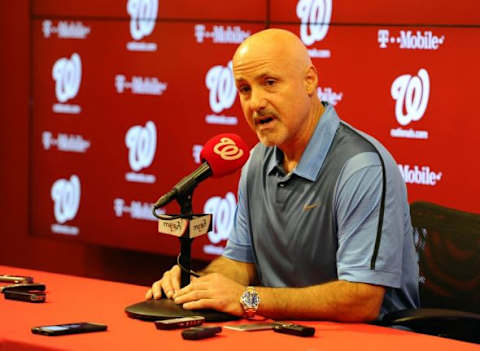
x,y
250,299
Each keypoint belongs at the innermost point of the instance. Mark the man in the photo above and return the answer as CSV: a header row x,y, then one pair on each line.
x,y
322,223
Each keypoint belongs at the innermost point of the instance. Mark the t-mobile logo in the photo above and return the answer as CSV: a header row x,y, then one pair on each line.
x,y
200,32
220,34
383,37
408,40
65,29
47,28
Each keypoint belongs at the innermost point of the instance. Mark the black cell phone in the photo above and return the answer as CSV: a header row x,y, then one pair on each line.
x,y
294,329
29,296
176,323
69,328
197,333
23,287
15,279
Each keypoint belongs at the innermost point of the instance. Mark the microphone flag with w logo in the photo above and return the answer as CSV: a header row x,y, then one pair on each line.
x,y
225,153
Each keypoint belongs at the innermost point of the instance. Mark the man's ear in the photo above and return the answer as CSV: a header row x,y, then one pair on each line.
x,y
311,80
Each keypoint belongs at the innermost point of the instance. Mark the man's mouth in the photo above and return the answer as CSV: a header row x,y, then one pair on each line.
x,y
263,120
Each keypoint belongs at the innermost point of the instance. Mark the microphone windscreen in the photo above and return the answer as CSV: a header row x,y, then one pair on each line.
x,y
225,153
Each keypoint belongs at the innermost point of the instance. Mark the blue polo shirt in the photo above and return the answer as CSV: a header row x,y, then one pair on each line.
x,y
342,213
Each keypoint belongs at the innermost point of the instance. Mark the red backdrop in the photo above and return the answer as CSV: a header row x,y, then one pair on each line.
x,y
125,93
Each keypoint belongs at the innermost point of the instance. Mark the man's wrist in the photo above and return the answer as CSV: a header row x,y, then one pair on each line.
x,y
250,300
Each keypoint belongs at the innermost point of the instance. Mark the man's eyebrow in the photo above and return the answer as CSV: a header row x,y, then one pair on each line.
x,y
239,81
264,74
259,76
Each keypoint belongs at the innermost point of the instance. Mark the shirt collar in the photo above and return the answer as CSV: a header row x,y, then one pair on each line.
x,y
317,148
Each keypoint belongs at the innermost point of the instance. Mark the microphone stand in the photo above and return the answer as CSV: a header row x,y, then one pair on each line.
x,y
166,308
184,197
185,202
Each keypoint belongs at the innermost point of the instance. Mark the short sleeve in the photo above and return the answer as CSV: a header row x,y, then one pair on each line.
x,y
358,197
239,247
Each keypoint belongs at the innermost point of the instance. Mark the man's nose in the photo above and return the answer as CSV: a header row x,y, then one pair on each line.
x,y
257,101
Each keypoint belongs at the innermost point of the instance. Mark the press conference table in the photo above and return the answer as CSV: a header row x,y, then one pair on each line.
x,y
75,299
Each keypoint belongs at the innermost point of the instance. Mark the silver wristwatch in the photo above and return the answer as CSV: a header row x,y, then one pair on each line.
x,y
250,301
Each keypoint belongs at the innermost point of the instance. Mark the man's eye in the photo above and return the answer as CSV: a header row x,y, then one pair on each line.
x,y
244,89
270,82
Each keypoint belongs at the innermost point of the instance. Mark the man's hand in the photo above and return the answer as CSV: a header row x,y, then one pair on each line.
x,y
170,284
241,272
213,291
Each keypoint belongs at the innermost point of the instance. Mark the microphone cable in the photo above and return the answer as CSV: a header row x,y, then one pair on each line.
x,y
191,271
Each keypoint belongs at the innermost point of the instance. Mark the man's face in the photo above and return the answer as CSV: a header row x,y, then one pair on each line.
x,y
273,96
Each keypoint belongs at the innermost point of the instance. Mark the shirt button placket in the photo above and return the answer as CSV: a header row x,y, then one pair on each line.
x,y
282,192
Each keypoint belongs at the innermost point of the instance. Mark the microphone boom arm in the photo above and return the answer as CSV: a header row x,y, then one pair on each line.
x,y
185,186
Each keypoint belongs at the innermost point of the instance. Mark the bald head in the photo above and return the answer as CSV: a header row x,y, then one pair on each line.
x,y
273,44
277,86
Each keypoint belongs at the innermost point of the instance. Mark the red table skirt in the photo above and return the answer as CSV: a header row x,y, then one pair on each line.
x,y
75,299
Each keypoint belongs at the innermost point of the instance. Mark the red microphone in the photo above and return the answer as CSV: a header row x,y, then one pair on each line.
x,y
225,153
221,155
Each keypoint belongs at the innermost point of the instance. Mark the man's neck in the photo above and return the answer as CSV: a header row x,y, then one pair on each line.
x,y
293,152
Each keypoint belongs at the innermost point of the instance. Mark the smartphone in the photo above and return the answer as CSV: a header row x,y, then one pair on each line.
x,y
23,287
29,296
15,279
197,333
294,329
70,328
250,326
176,323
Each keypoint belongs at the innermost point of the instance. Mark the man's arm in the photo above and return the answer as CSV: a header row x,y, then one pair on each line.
x,y
224,280
242,272
337,300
